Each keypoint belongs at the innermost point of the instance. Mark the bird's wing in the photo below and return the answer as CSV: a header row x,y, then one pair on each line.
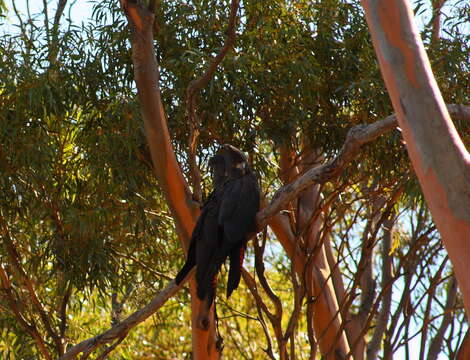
x,y
236,261
209,241
191,258
238,208
196,236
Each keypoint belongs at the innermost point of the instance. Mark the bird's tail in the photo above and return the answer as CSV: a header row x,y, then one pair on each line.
x,y
188,265
236,262
183,272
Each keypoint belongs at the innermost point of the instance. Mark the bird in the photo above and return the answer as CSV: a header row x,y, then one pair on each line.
x,y
226,222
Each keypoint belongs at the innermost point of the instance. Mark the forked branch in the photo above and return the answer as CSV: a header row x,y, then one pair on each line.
x,y
193,89
357,137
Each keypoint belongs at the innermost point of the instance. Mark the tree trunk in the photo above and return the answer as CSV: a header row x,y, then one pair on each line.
x,y
171,180
437,153
319,285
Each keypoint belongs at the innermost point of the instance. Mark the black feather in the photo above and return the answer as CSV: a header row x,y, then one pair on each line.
x,y
226,222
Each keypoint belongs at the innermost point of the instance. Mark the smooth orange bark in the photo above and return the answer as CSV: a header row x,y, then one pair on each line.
x,y
439,158
327,318
167,169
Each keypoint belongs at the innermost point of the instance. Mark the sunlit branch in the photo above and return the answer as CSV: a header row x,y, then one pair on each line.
x,y
120,330
357,137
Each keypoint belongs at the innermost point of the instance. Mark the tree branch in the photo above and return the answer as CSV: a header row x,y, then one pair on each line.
x,y
174,187
54,45
436,18
193,89
15,260
198,84
366,134
31,329
387,279
438,155
357,137
146,74
436,343
120,330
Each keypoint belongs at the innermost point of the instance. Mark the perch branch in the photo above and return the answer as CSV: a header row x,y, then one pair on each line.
x,y
357,137
120,330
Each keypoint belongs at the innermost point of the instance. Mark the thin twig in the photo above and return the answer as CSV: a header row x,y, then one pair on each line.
x,y
193,89
357,137
15,260
30,328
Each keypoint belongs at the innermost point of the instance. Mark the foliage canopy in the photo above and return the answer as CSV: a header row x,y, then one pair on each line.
x,y
82,217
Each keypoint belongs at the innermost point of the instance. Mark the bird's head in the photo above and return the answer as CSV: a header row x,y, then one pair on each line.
x,y
218,170
227,164
236,162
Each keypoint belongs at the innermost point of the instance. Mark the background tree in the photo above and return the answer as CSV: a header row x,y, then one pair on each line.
x,y
352,264
438,155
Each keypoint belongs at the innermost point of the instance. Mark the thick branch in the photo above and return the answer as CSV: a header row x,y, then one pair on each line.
x,y
438,155
174,187
146,73
119,331
310,223
357,137
366,133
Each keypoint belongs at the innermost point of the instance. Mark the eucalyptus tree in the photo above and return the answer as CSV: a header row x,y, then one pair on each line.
x,y
99,204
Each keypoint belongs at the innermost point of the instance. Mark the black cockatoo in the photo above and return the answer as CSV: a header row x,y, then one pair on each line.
x,y
226,222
